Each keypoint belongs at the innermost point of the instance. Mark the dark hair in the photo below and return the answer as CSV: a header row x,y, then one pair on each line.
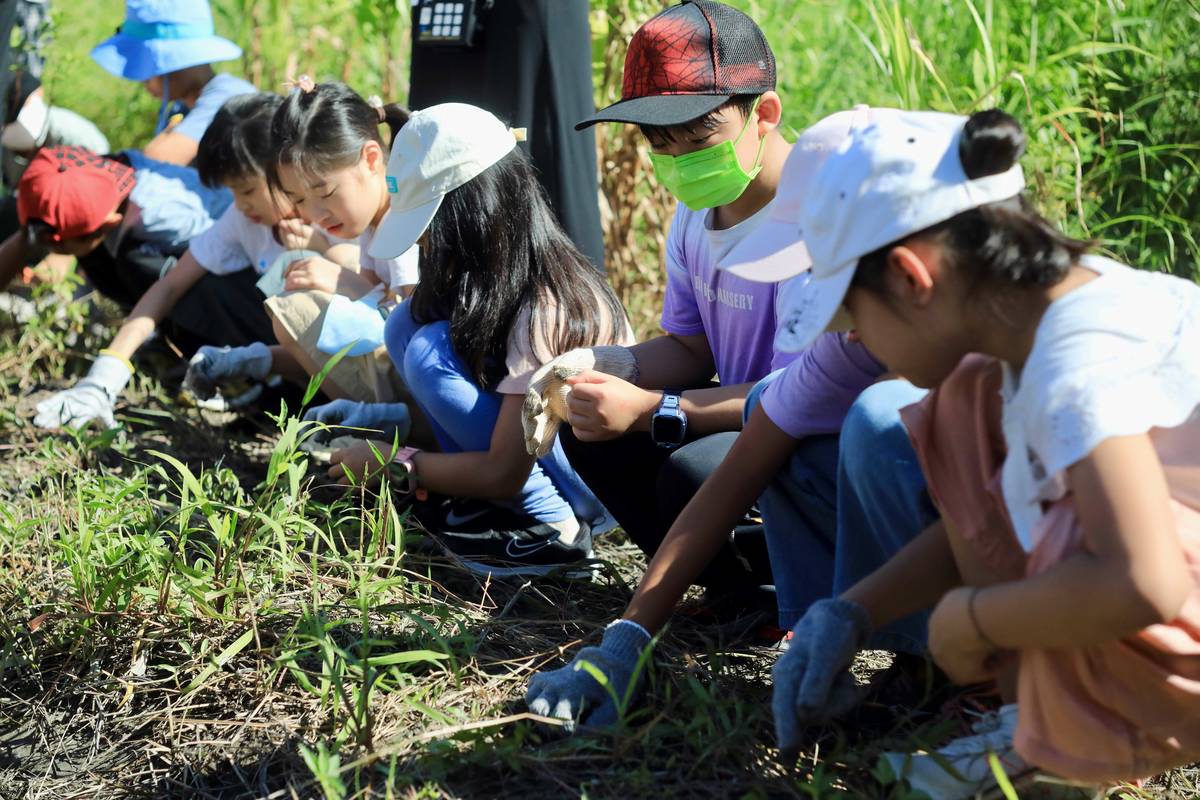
x,y
325,128
495,248
742,102
38,232
237,143
1006,242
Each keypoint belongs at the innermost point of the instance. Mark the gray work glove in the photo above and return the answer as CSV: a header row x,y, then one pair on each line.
x,y
812,681
545,406
392,421
212,366
92,398
574,696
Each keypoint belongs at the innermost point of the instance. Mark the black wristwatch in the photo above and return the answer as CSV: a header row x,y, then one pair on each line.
x,y
668,426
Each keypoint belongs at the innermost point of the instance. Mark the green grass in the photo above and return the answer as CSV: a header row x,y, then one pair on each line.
x,y
186,610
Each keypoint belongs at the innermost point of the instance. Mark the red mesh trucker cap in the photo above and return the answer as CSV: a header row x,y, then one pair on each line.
x,y
72,190
688,61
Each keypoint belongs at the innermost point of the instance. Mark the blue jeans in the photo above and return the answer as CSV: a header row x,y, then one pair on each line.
x,y
799,511
463,416
881,505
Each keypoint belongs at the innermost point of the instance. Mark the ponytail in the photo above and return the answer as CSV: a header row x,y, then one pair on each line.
x,y
394,116
1007,242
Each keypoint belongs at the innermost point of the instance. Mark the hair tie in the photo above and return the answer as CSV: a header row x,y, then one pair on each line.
x,y
520,134
376,102
304,83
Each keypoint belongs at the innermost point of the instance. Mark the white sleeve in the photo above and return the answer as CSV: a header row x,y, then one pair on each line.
x,y
1120,361
222,248
399,271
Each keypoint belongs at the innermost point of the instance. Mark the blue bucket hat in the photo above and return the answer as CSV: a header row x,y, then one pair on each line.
x,y
161,36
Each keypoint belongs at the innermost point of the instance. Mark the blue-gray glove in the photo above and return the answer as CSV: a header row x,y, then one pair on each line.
x,y
212,366
812,682
391,420
572,695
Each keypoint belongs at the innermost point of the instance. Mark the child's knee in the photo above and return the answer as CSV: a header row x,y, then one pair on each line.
x,y
873,425
282,334
398,331
427,352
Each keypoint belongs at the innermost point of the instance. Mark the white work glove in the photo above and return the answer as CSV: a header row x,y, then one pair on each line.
x,y
545,406
212,366
90,399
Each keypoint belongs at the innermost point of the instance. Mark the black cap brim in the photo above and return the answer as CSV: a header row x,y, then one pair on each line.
x,y
661,110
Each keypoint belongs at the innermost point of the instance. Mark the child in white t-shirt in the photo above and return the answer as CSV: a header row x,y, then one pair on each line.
x,y
1061,444
330,164
211,290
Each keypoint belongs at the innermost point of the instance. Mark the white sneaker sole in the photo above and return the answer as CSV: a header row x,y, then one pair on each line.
x,y
583,570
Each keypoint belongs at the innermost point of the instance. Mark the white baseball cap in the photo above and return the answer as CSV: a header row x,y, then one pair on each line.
x,y
895,173
439,149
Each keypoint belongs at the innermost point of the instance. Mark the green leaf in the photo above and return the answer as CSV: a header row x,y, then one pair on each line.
x,y
1001,777
220,660
406,657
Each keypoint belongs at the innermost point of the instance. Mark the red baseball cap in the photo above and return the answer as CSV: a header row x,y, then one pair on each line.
x,y
72,190
689,61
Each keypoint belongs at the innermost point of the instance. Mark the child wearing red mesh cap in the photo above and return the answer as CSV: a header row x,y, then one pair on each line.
x,y
126,219
648,429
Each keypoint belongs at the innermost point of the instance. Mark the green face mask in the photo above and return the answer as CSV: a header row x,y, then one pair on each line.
x,y
710,177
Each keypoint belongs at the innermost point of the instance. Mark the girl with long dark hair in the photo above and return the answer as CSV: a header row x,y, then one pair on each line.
x,y
503,291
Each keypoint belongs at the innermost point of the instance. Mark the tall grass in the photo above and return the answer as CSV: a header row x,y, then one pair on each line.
x,y
1107,90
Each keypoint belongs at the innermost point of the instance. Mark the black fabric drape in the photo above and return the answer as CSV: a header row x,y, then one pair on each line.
x,y
533,69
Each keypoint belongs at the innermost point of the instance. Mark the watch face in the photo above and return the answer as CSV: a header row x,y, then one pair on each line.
x,y
667,429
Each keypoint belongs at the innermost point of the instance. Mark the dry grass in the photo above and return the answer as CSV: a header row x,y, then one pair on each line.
x,y
333,657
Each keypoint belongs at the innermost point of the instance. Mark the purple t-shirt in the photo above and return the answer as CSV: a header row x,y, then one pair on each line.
x,y
738,316
814,393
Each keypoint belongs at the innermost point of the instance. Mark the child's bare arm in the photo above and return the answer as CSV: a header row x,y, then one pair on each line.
x,y
912,580
1132,574
155,304
321,274
758,454
14,254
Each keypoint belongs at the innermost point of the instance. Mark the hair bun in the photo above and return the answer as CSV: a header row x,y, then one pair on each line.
x,y
992,142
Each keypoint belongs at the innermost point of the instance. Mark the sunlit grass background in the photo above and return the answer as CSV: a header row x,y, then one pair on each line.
x,y
1108,90
185,611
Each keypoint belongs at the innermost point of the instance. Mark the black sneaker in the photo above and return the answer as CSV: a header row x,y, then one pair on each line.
x,y
497,541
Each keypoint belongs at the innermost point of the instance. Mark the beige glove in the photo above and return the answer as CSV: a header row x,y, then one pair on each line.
x,y
545,406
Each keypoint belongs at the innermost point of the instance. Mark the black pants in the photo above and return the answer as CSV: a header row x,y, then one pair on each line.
x,y
646,487
532,69
217,310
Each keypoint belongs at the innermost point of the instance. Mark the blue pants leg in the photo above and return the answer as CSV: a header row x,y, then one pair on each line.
x,y
882,499
463,416
800,518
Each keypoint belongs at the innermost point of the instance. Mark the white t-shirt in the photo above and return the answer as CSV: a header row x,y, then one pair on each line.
x,y
394,272
1118,356
234,243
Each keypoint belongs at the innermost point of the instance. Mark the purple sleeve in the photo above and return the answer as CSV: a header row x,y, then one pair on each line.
x,y
681,313
816,390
